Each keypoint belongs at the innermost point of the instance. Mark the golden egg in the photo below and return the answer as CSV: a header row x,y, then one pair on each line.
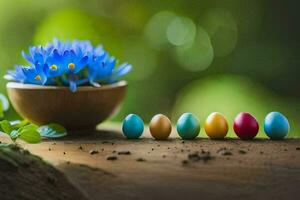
x,y
216,126
160,127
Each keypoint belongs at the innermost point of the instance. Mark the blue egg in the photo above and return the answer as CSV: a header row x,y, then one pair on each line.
x,y
188,126
133,126
276,126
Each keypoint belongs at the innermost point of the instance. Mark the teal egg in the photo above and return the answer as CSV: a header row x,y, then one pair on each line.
x,y
276,126
188,126
133,126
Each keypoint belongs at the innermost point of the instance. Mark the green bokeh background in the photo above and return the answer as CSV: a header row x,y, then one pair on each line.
x,y
187,56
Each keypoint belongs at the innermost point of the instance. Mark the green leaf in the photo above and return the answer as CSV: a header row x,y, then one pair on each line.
x,y
30,135
52,131
18,124
6,127
15,122
32,127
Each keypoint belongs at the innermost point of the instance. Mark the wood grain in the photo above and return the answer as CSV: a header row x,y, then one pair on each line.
x,y
256,169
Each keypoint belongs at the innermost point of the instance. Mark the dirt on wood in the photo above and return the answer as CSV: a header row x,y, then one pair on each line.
x,y
24,176
176,169
206,169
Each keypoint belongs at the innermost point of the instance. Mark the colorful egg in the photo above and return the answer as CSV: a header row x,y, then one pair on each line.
x,y
216,126
188,126
276,126
160,127
133,126
245,126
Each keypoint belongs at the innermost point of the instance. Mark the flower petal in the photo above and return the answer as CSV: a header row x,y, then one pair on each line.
x,y
122,70
73,86
27,57
83,61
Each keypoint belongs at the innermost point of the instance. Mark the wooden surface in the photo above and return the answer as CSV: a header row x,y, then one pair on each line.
x,y
233,169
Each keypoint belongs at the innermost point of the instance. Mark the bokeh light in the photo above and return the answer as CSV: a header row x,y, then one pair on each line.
x,y
181,31
222,29
199,55
156,29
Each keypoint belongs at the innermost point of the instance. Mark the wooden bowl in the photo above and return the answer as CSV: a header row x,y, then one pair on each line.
x,y
81,110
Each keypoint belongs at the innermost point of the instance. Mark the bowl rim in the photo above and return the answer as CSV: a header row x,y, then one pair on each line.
x,y
16,85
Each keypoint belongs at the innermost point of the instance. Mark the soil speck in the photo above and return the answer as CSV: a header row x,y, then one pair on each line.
x,y
111,158
92,152
140,160
80,147
185,162
224,152
124,153
203,155
242,151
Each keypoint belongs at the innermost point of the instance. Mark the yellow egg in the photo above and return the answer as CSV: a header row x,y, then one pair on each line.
x,y
160,127
216,126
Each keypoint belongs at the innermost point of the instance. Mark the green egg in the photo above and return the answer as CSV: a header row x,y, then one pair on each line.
x,y
188,126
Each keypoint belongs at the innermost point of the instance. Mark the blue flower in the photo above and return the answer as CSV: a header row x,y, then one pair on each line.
x,y
34,74
27,74
16,75
54,65
68,63
101,68
37,54
74,63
